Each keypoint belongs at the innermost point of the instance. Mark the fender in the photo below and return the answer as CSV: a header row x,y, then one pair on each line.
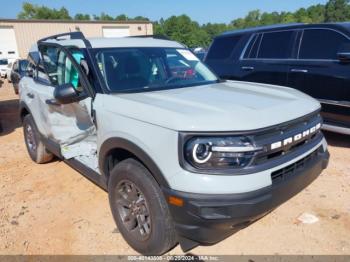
x,y
121,143
23,106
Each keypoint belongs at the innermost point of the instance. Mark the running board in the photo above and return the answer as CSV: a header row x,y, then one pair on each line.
x,y
87,172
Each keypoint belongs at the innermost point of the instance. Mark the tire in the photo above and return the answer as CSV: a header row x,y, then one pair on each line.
x,y
155,235
35,146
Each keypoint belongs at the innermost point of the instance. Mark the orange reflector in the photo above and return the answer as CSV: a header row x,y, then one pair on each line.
x,y
176,201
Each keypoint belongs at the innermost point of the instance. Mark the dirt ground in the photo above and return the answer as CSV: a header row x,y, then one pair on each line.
x,y
51,209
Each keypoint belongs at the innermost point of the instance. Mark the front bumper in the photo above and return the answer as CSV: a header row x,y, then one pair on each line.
x,y
207,219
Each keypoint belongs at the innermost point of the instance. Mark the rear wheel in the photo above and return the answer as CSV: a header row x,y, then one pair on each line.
x,y
35,146
139,209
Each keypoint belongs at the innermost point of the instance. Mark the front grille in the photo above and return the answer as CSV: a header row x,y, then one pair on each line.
x,y
282,132
286,172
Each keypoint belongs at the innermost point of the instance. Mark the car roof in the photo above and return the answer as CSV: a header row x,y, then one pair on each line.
x,y
343,25
119,42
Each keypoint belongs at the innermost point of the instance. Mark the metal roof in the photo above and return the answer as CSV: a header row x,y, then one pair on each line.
x,y
74,21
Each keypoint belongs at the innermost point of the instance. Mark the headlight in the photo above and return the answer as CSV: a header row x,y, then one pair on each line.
x,y
208,153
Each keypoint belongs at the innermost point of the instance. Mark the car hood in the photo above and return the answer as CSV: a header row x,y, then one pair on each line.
x,y
227,106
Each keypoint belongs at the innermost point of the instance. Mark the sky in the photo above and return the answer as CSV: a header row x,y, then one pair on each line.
x,y
203,11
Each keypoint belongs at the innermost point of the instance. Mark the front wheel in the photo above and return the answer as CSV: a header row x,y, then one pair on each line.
x,y
139,209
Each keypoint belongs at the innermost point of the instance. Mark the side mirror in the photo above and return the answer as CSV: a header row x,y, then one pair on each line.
x,y
66,94
344,57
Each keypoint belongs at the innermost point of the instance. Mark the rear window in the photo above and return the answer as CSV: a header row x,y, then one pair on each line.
x,y
223,47
277,45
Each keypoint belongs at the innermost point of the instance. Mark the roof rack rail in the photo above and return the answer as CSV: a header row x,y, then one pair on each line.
x,y
72,35
162,37
259,28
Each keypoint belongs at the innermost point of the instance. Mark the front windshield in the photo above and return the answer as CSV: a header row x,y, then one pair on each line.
x,y
142,69
3,61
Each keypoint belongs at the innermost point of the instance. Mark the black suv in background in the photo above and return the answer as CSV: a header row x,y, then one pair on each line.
x,y
313,58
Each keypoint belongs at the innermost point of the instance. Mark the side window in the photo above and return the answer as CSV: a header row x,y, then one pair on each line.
x,y
223,47
321,44
60,68
253,47
23,64
276,45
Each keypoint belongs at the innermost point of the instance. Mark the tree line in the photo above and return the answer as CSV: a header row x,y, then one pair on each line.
x,y
183,29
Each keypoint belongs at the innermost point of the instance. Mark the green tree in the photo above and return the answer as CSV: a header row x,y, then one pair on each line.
x,y
122,17
215,29
85,17
302,16
316,13
96,17
30,11
337,10
253,18
270,18
238,23
184,30
141,18
287,17
105,17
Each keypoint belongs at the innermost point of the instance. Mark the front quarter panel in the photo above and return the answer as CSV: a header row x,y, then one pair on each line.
x,y
158,143
27,86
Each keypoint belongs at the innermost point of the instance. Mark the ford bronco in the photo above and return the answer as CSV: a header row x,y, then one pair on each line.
x,y
185,157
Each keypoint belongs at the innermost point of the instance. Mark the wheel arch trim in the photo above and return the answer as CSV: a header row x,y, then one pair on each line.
x,y
23,106
124,144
